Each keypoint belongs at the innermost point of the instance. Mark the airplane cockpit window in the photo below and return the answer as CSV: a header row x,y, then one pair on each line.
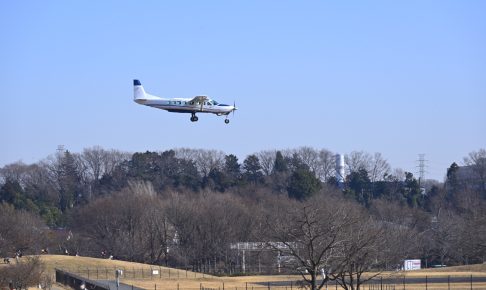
x,y
215,103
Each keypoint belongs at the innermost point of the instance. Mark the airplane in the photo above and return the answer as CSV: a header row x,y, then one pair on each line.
x,y
198,104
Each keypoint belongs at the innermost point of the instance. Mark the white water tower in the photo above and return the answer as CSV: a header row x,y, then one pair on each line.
x,y
340,168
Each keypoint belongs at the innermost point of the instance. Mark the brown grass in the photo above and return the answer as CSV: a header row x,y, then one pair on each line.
x,y
196,280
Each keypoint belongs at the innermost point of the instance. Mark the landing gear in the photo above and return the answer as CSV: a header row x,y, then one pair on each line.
x,y
226,121
194,118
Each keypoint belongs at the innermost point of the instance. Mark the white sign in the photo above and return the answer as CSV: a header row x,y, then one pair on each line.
x,y
409,265
155,272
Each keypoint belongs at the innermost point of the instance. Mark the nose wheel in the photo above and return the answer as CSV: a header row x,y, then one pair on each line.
x,y
226,121
194,118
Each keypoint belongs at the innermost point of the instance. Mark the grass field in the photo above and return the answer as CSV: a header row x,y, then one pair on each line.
x,y
143,275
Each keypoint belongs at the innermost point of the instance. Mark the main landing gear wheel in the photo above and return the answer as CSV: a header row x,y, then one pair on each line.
x,y
226,121
194,118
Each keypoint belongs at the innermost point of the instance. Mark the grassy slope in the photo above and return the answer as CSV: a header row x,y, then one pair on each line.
x,y
71,262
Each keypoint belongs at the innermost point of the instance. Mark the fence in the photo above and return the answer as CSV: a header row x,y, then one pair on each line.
x,y
450,283
105,273
159,278
75,281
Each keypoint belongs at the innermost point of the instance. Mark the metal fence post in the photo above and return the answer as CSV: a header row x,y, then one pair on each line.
x,y
449,282
471,282
426,283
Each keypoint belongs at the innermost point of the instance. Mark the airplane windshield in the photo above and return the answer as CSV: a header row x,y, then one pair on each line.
x,y
215,103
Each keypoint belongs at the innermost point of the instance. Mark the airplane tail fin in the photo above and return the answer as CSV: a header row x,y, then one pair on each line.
x,y
138,91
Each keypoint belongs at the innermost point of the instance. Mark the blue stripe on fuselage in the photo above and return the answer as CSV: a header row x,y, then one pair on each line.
x,y
187,109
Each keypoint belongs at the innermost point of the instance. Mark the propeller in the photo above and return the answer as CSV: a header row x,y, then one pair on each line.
x,y
234,108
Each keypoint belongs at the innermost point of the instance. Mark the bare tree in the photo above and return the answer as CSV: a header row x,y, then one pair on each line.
x,y
360,252
327,165
22,275
95,159
469,231
99,161
205,160
357,160
378,168
477,161
159,233
310,157
14,171
206,225
312,233
267,160
116,223
19,230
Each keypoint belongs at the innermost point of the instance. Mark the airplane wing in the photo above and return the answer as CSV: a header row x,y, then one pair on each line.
x,y
199,100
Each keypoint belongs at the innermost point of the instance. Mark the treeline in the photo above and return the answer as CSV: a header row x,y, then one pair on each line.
x,y
185,207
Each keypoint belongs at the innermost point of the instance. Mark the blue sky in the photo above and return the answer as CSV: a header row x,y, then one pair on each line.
x,y
396,77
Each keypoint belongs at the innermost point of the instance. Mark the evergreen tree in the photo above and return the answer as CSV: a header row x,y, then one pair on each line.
x,y
232,169
11,192
359,186
69,182
217,180
253,169
452,182
411,190
303,184
280,164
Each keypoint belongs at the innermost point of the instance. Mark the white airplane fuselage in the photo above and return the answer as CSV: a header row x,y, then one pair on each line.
x,y
183,105
198,104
